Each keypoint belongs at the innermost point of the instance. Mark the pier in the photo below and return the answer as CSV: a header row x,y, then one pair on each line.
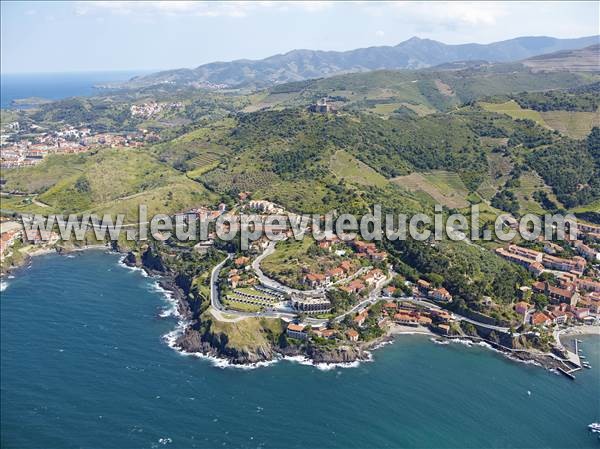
x,y
573,362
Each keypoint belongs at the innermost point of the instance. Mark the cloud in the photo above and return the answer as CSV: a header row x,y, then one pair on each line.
x,y
380,33
195,8
440,13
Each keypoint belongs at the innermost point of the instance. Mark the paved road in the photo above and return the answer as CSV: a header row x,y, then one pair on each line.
x,y
272,283
373,297
221,313
431,305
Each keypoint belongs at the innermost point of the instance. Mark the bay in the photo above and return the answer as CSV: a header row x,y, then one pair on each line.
x,y
84,364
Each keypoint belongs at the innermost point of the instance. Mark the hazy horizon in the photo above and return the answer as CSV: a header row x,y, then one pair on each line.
x,y
68,37
157,69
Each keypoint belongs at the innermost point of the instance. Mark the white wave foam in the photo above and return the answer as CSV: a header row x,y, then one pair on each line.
x,y
462,341
437,341
129,267
171,338
171,310
382,344
303,360
3,285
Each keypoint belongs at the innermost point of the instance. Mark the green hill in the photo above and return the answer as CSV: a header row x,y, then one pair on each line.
x,y
109,180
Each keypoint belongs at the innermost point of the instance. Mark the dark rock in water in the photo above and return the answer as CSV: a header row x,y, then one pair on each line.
x,y
340,354
130,259
216,345
152,260
190,341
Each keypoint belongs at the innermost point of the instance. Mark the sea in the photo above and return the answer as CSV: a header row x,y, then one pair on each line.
x,y
55,86
85,363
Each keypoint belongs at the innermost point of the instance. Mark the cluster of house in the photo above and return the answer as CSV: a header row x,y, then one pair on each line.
x,y
369,250
238,276
10,237
265,206
362,249
147,110
574,298
536,262
404,314
360,284
439,294
589,230
318,280
7,240
303,331
68,140
408,315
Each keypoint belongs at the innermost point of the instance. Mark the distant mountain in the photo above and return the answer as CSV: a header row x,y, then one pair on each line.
x,y
299,65
582,60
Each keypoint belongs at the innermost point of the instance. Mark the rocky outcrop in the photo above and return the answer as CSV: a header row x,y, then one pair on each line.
x,y
152,261
217,345
339,354
130,259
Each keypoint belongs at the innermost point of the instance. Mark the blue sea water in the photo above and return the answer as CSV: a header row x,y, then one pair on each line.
x,y
84,364
54,86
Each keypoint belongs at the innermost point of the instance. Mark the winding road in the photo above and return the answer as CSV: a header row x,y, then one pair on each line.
x,y
223,314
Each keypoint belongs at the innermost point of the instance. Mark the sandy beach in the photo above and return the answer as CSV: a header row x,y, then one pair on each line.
x,y
581,330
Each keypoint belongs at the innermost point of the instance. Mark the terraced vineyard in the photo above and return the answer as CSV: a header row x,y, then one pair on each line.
x,y
347,167
206,161
571,123
530,183
512,109
444,187
499,168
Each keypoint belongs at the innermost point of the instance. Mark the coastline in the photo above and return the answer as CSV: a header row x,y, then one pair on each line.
x,y
343,356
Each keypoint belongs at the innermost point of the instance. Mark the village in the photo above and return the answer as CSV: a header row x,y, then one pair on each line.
x,y
339,290
37,143
25,144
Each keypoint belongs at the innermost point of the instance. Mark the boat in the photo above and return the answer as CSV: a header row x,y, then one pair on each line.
x,y
582,357
594,427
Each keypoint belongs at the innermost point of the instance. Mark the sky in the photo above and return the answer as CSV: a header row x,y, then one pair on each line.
x,y
115,35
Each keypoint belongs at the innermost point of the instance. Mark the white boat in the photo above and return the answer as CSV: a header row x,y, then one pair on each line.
x,y
594,427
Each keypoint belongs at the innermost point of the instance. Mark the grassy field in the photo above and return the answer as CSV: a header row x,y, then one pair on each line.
x,y
253,291
241,306
22,204
286,262
181,194
385,109
420,109
498,171
345,166
573,124
248,334
444,187
115,181
512,109
592,207
531,182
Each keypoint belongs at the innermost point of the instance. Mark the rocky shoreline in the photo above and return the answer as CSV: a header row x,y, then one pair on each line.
x,y
194,339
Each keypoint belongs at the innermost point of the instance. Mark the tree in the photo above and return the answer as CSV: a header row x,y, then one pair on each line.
x,y
540,300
